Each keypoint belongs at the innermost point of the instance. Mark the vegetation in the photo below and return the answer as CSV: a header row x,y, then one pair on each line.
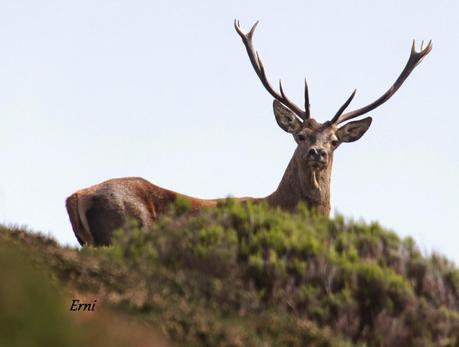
x,y
236,275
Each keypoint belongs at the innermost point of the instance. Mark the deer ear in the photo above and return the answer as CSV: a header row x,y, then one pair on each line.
x,y
286,118
353,131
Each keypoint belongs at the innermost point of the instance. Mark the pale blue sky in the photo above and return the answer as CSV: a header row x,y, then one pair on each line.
x,y
91,90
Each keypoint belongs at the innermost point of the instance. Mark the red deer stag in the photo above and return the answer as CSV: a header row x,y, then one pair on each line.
x,y
96,211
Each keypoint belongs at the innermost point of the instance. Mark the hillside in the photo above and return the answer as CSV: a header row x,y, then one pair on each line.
x,y
237,275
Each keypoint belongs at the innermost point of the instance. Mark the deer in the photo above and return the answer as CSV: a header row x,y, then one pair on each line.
x,y
95,212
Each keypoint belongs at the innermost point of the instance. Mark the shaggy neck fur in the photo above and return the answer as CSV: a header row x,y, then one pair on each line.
x,y
302,183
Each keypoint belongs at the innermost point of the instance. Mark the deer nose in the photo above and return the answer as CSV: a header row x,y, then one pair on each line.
x,y
317,153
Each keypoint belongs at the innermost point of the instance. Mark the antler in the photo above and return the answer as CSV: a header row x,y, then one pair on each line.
x,y
414,59
261,73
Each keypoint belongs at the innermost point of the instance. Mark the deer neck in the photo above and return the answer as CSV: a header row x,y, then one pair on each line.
x,y
302,183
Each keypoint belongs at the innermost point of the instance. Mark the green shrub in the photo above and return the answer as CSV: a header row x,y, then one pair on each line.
x,y
247,275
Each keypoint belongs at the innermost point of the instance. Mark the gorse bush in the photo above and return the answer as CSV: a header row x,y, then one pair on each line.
x,y
248,275
355,279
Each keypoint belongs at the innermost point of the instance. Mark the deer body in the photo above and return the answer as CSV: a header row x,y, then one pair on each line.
x,y
98,210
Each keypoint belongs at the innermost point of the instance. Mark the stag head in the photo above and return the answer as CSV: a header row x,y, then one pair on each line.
x,y
317,141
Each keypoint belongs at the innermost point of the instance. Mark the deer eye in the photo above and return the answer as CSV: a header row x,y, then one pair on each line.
x,y
334,143
301,138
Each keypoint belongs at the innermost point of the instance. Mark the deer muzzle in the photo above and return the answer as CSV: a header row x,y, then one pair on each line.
x,y
316,157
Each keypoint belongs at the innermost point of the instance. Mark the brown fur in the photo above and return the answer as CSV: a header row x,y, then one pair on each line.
x,y
97,211
82,235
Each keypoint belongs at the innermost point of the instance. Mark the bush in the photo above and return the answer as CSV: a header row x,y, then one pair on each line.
x,y
248,275
248,259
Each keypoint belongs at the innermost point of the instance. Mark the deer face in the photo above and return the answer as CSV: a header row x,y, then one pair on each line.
x,y
317,141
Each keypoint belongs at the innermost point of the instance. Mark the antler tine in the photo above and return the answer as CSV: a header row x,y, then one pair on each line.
x,y
307,106
414,59
342,108
261,73
288,102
